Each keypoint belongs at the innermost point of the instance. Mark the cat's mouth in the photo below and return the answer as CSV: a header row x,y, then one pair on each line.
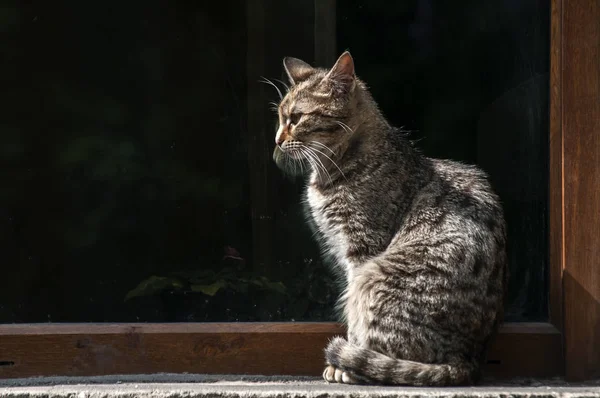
x,y
293,149
282,160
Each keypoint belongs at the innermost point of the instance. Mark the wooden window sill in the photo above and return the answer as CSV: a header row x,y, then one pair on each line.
x,y
520,349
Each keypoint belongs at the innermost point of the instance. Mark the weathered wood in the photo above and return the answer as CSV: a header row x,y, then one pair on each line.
x,y
581,137
556,169
235,348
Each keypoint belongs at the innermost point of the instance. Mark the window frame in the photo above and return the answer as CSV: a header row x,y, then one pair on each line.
x,y
568,345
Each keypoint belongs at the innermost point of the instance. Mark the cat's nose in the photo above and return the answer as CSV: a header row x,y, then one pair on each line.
x,y
281,136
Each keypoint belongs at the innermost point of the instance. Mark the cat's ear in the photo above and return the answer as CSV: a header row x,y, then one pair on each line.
x,y
342,74
296,69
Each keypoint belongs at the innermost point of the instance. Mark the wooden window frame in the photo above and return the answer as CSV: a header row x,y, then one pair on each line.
x,y
569,344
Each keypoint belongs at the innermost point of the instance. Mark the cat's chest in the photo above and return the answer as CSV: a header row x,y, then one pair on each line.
x,y
332,215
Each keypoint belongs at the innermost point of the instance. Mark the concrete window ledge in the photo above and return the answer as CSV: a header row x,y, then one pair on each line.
x,y
192,386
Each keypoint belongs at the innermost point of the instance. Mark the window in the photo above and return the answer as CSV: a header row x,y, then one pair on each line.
x,y
145,227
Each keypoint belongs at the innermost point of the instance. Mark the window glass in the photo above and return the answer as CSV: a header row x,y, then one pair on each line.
x,y
136,142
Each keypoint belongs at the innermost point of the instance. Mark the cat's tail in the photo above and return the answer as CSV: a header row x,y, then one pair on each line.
x,y
374,367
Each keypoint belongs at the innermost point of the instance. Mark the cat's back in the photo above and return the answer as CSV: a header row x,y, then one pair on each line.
x,y
465,181
458,201
463,189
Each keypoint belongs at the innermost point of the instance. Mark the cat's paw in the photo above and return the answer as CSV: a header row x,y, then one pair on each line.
x,y
333,375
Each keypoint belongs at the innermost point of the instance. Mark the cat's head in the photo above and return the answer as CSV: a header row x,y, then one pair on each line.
x,y
315,114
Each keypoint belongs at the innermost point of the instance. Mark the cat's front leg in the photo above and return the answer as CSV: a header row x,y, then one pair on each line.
x,y
357,313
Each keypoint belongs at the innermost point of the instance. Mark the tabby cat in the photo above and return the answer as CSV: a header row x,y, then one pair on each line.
x,y
418,242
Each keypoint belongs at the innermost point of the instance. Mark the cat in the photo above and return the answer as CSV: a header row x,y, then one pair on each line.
x,y
419,243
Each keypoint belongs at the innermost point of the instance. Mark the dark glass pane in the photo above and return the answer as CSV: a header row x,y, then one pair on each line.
x,y
136,141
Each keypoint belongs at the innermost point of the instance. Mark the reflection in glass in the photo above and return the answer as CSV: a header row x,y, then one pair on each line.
x,y
137,180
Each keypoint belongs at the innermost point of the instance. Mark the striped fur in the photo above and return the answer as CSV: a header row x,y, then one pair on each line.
x,y
419,243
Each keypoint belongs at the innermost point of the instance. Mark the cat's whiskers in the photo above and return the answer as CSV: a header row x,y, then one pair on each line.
x,y
346,128
295,166
324,146
306,157
274,106
319,162
301,161
287,164
267,81
297,160
316,163
318,166
331,160
284,85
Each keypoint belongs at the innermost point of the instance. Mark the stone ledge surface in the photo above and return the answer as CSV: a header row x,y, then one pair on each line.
x,y
227,386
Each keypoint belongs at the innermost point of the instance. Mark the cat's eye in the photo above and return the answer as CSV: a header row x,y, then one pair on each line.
x,y
295,118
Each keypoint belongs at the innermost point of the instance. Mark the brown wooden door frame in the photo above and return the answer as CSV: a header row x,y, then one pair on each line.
x,y
568,344
577,65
